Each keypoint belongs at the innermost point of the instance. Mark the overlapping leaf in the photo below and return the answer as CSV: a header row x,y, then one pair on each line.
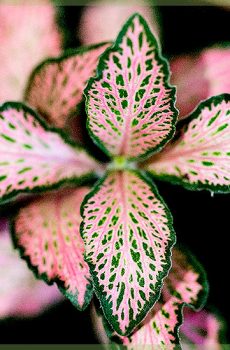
x,y
203,328
200,77
185,285
200,157
34,157
47,231
56,86
128,234
130,103
21,295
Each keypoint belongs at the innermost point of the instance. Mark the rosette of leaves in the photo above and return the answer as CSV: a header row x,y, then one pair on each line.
x,y
114,238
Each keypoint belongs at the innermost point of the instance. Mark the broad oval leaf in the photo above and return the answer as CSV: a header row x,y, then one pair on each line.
x,y
56,85
200,157
47,232
128,235
200,77
203,328
34,157
130,102
21,295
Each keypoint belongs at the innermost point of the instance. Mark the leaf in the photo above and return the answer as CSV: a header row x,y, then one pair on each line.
x,y
21,295
130,102
128,235
47,231
203,328
56,85
200,157
185,285
35,157
200,77
28,34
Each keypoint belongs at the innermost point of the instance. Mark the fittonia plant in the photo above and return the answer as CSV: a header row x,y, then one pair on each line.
x,y
122,249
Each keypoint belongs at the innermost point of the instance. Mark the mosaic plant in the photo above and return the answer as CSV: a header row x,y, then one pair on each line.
x,y
105,228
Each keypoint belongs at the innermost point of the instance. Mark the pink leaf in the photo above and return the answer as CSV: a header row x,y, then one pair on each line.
x,y
28,34
185,285
130,103
128,235
56,86
20,293
102,22
200,157
34,157
203,328
200,77
47,231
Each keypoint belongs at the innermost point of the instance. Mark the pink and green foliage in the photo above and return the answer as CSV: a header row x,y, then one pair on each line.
x,y
47,231
200,157
34,157
126,228
129,260
28,34
56,86
200,77
203,328
130,102
20,293
185,285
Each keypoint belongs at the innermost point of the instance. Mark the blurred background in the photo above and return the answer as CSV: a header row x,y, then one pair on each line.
x,y
201,220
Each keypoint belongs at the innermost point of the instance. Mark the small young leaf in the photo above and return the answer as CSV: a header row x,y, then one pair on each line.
x,y
34,157
200,157
203,328
128,235
56,86
130,102
200,77
47,231
21,295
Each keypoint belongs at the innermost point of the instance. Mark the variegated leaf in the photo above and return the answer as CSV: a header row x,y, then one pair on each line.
x,y
185,285
47,231
130,102
34,157
128,235
200,77
56,86
201,328
200,157
21,295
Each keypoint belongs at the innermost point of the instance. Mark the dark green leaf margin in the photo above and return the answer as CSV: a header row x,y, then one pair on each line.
x,y
198,186
76,181
43,276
